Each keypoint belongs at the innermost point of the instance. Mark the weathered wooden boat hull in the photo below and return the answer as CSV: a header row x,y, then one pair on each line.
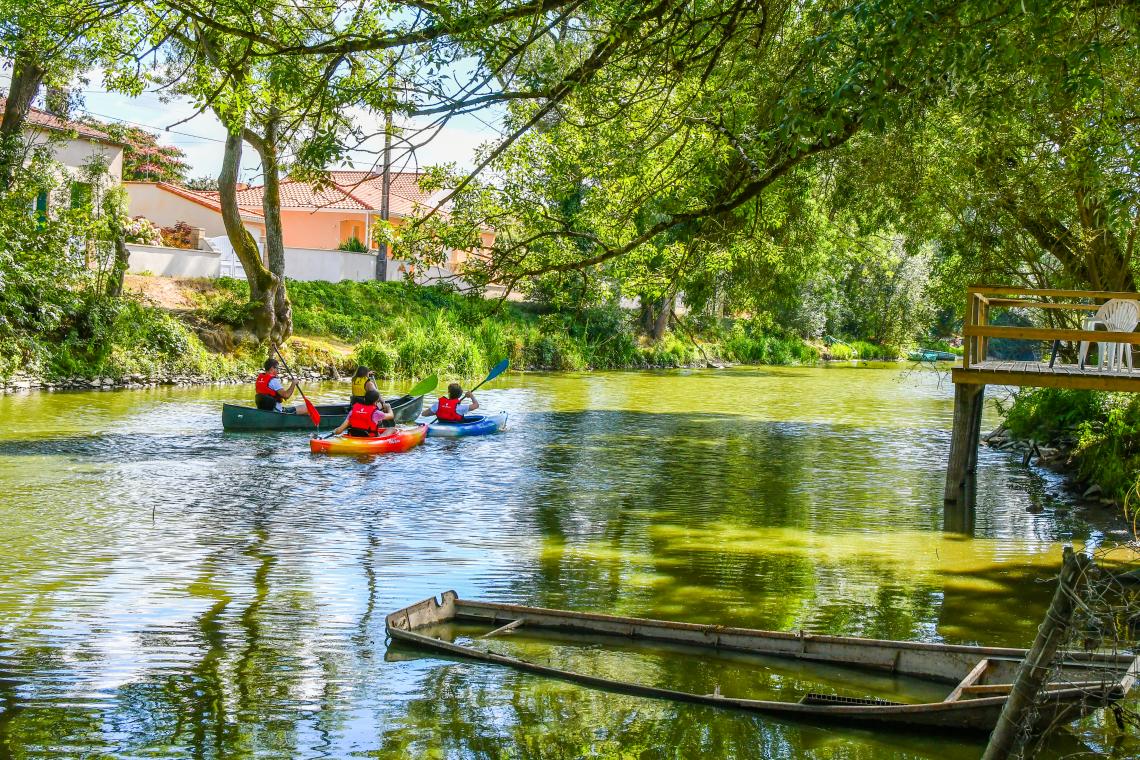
x,y
248,418
1097,680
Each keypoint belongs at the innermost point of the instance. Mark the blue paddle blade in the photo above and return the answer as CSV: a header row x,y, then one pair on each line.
x,y
498,369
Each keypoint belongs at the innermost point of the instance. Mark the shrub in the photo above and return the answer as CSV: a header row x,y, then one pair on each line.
x,y
840,351
1045,413
874,352
1108,448
142,231
378,356
353,244
1104,426
778,352
181,235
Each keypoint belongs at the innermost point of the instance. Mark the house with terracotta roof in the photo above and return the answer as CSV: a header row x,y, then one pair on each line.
x,y
166,204
315,217
75,146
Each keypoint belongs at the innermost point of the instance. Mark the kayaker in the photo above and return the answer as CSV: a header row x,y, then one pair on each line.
x,y
270,391
450,408
363,381
366,419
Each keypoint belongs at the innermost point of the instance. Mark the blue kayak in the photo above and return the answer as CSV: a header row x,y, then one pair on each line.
x,y
473,424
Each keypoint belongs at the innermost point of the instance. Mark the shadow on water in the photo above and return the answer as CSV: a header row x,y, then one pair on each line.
x,y
246,617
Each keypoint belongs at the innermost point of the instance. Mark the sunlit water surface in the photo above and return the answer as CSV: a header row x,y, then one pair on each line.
x,y
170,590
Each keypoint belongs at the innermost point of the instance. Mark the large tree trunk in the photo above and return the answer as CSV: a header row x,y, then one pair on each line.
x,y
119,266
654,316
661,323
266,147
645,313
263,284
27,76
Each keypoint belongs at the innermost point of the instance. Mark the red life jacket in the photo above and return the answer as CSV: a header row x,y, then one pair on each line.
x,y
446,410
360,420
262,386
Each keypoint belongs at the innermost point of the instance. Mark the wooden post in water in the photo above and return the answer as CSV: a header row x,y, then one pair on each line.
x,y
1035,667
968,401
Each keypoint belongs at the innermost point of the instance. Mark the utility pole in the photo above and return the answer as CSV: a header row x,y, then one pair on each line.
x,y
385,200
386,182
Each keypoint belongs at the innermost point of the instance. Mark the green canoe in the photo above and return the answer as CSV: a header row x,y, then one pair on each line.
x,y
235,417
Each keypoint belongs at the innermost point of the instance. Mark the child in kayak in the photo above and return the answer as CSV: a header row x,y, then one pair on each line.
x,y
451,408
363,381
270,391
365,420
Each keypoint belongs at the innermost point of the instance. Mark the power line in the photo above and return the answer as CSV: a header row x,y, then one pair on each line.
x,y
151,126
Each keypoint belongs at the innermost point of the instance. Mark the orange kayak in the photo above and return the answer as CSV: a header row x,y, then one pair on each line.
x,y
394,440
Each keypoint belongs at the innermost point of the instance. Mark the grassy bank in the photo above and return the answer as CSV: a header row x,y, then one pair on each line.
x,y
115,338
397,329
1101,432
402,330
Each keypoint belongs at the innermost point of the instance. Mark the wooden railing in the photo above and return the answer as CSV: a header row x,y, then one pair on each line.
x,y
977,330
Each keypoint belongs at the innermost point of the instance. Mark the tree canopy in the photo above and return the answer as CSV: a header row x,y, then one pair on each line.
x,y
823,166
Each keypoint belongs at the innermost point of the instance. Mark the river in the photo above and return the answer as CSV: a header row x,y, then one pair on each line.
x,y
170,590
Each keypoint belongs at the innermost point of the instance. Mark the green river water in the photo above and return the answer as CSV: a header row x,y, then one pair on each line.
x,y
170,590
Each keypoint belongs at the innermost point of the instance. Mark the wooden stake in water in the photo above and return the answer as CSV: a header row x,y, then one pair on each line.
x,y
1035,668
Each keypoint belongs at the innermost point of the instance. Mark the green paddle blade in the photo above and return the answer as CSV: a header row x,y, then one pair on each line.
x,y
425,386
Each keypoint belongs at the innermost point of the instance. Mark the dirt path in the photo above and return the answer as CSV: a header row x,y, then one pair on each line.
x,y
166,292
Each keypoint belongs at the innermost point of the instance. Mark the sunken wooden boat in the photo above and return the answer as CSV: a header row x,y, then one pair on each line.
x,y
247,418
978,679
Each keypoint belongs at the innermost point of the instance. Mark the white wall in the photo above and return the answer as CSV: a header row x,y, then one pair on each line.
x,y
300,264
173,262
331,266
166,209
76,154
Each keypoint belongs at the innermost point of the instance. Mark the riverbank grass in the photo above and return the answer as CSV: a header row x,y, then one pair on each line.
x,y
182,330
1100,432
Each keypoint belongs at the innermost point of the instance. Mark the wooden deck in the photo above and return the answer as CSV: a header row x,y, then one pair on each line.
x,y
1041,375
1062,320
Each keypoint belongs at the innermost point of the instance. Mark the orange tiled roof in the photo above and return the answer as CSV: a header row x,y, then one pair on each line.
x,y
404,184
44,120
349,191
302,195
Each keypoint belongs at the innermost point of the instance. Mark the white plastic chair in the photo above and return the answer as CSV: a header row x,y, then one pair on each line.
x,y
1117,315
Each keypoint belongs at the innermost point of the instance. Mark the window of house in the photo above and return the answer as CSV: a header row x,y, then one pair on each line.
x,y
80,195
42,205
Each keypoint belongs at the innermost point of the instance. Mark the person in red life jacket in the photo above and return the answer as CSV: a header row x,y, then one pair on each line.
x,y
365,420
451,408
270,391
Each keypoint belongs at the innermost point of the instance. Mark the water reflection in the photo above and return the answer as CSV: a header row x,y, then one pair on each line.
x,y
169,589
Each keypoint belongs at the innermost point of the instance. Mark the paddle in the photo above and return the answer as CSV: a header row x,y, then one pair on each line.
x,y
497,370
314,415
423,387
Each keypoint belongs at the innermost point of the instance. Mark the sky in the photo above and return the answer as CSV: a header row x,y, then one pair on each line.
x,y
202,137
